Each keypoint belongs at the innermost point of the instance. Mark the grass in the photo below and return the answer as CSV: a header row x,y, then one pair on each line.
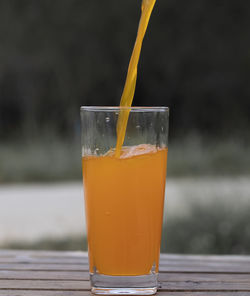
x,y
48,160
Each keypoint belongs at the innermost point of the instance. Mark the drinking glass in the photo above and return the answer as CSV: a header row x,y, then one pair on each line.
x,y
124,197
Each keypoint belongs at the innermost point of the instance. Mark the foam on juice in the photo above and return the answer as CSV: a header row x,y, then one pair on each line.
x,y
132,151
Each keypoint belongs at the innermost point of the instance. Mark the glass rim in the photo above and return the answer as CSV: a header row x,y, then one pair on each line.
x,y
118,108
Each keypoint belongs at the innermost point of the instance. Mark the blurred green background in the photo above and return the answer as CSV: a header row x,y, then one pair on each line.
x,y
58,55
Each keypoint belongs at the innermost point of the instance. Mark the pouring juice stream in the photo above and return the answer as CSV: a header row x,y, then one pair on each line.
x,y
129,88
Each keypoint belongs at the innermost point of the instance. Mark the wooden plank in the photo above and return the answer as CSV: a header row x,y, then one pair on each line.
x,y
44,275
44,285
190,265
165,268
168,262
206,269
84,260
85,293
204,286
84,276
79,254
203,262
52,260
203,277
50,293
177,257
63,254
85,285
200,293
200,265
37,273
47,267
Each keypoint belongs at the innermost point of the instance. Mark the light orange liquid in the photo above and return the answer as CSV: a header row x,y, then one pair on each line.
x,y
124,200
129,88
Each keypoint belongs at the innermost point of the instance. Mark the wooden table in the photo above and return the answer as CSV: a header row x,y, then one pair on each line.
x,y
66,273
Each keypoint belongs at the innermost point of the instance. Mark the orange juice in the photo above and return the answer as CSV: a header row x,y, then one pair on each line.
x,y
129,88
124,200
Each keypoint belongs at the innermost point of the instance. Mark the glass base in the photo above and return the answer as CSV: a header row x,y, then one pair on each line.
x,y
123,285
124,291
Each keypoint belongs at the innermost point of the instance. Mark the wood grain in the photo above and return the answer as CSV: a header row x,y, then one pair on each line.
x,y
86,293
39,273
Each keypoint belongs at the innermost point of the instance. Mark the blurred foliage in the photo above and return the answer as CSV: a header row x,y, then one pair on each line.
x,y
51,159
212,229
195,156
42,160
58,55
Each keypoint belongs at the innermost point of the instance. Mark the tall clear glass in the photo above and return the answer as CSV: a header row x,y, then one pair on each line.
x,y
124,197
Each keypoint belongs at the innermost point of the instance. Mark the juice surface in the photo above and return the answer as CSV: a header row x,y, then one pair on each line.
x,y
124,200
129,88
